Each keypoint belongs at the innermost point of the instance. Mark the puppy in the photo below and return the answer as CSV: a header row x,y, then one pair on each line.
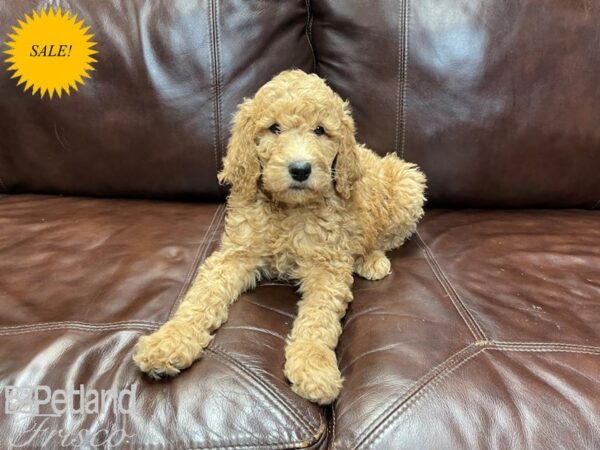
x,y
307,204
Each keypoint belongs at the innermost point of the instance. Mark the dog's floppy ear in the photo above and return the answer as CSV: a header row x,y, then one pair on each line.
x,y
347,170
241,168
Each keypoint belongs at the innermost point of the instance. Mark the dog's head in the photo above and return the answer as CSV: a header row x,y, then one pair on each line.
x,y
294,140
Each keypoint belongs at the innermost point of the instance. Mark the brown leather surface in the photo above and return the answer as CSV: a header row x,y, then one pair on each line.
x,y
69,259
525,276
154,118
496,101
486,335
83,278
503,398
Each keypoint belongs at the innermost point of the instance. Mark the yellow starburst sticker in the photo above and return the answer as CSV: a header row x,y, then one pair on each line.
x,y
50,51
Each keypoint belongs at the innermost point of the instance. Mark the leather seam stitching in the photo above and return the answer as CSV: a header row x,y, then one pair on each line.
x,y
279,445
447,367
124,326
406,406
398,76
403,28
287,408
282,445
405,76
200,254
273,446
78,322
212,57
220,86
564,344
215,57
333,425
544,347
459,305
416,387
308,32
541,350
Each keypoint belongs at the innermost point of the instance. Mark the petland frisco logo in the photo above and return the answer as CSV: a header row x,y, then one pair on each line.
x,y
41,401
44,404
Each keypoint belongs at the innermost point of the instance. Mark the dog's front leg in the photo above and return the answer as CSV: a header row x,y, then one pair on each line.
x,y
181,340
311,364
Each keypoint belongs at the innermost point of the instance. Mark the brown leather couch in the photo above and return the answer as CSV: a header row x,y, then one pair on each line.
x,y
487,333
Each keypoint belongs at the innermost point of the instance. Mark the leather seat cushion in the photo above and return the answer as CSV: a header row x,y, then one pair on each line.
x,y
485,335
82,279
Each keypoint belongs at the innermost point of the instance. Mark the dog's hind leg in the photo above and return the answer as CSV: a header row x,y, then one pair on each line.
x,y
373,266
405,186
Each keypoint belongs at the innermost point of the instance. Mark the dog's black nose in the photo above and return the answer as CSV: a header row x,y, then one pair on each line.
x,y
299,171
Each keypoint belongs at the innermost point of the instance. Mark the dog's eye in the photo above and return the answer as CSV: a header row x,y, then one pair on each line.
x,y
275,128
319,131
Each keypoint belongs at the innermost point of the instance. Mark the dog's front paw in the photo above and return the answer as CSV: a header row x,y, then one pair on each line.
x,y
174,347
373,266
312,369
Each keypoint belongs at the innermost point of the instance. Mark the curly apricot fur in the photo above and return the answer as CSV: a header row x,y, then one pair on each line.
x,y
353,208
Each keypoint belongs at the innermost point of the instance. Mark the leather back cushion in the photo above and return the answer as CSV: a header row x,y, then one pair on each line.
x,y
498,101
153,120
